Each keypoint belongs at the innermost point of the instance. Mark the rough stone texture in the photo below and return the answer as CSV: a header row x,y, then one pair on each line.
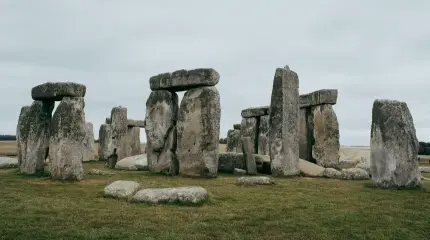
x,y
34,135
192,194
228,161
263,137
305,143
6,162
332,173
309,169
322,96
198,132
66,142
21,139
120,136
112,159
424,169
326,134
251,166
284,125
239,171
56,91
135,147
136,123
354,174
250,181
255,112
233,139
248,128
394,146
183,80
89,153
364,165
133,163
161,116
343,164
100,172
106,146
236,126
121,189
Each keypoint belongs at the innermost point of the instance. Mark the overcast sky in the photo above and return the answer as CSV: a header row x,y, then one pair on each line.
x,y
365,49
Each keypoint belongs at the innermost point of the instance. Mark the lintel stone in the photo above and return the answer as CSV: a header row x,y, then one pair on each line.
x,y
56,91
320,97
183,80
255,111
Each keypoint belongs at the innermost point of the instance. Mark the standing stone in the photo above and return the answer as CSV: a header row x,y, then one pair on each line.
x,y
304,143
20,133
248,128
394,146
66,143
198,132
119,127
105,142
134,137
89,142
160,129
233,139
326,134
284,125
263,138
251,166
34,136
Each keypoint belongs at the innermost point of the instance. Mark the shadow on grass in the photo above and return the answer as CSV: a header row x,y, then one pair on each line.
x,y
421,188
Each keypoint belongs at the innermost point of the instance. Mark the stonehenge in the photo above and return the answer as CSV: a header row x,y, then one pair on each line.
x,y
184,138
59,137
119,135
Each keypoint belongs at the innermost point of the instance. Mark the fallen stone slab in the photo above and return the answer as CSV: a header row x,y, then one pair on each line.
x,y
6,162
191,194
309,169
332,173
354,174
343,164
424,169
183,80
255,112
251,181
100,172
322,96
133,163
365,166
121,189
56,91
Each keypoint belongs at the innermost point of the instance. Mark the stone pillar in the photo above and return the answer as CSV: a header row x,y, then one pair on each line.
x,y
89,143
284,125
160,128
66,142
233,139
394,146
105,142
263,138
248,128
21,134
119,127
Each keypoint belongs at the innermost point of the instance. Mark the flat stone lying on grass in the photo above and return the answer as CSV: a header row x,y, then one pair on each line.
x,y
250,181
6,162
343,164
331,173
100,172
133,163
121,189
192,194
424,169
239,171
56,91
354,174
309,169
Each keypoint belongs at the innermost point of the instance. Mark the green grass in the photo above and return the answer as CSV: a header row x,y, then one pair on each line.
x,y
297,208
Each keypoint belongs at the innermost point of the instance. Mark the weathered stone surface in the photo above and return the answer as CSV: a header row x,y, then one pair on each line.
x,y
198,132
237,126
120,136
112,159
233,139
34,135
284,125
322,96
326,135
354,174
133,163
364,165
250,181
305,141
183,80
348,163
248,128
106,146
66,142
100,172
121,189
424,169
394,146
332,173
251,166
135,147
192,194
21,131
6,162
309,169
89,153
263,137
161,116
136,123
56,91
255,112
228,161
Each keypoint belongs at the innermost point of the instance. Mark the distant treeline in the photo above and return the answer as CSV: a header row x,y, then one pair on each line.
x,y
7,138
